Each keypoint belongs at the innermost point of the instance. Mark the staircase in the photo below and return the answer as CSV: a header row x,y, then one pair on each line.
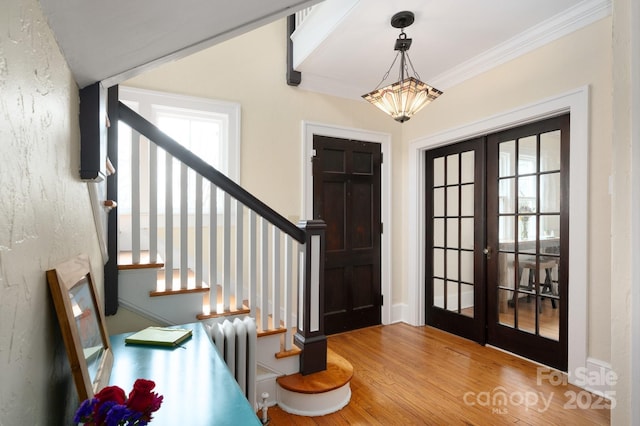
x,y
204,262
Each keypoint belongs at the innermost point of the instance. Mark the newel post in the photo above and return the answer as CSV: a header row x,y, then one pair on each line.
x,y
310,334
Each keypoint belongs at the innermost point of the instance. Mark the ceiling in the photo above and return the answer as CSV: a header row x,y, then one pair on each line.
x,y
343,47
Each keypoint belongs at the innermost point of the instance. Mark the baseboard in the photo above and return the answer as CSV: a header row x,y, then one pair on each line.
x,y
400,313
597,377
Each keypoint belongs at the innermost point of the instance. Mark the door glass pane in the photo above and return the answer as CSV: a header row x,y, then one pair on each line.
x,y
438,171
452,233
452,264
550,151
438,293
527,233
507,159
466,300
452,201
549,233
527,155
438,202
506,270
549,319
453,169
438,262
467,197
466,266
550,193
452,296
506,232
468,167
526,313
438,232
507,195
466,233
506,310
527,188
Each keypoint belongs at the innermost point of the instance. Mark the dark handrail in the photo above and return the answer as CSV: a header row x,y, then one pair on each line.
x,y
151,132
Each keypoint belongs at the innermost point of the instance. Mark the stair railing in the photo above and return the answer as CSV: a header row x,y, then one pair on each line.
x,y
265,252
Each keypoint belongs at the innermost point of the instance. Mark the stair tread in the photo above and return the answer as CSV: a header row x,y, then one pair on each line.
x,y
338,373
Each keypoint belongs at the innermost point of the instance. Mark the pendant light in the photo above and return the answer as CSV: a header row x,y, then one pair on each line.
x,y
402,99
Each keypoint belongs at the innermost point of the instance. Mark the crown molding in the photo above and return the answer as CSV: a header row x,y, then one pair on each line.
x,y
573,19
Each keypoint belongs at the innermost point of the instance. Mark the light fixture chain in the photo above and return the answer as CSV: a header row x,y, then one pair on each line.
x,y
412,68
387,73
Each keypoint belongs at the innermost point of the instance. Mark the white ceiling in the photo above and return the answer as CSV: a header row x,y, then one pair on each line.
x,y
343,48
112,40
346,46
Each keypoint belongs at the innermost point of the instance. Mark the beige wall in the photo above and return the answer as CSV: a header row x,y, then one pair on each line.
x,y
251,70
271,129
581,58
45,215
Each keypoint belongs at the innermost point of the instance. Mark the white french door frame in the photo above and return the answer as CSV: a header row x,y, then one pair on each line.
x,y
575,102
384,139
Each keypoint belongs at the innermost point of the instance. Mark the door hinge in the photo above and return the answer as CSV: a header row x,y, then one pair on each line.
x,y
381,158
314,154
381,299
381,228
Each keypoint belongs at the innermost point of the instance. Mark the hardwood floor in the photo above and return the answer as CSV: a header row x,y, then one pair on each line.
x,y
405,375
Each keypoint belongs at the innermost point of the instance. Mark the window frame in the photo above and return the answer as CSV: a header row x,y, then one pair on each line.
x,y
148,103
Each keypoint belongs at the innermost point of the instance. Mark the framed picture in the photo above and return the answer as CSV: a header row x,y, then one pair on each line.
x,y
82,324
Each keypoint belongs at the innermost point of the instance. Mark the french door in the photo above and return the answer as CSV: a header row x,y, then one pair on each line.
x,y
497,239
455,239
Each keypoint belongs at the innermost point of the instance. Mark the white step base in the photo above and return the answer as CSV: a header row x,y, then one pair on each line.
x,y
315,404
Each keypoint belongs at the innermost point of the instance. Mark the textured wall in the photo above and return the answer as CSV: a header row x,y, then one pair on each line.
x,y
45,215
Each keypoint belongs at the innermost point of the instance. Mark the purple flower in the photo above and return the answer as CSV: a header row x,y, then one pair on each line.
x,y
85,410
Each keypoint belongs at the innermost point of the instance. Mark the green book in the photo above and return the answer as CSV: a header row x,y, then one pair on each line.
x,y
163,336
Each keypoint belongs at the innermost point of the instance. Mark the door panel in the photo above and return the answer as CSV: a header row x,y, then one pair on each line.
x,y
509,290
455,239
346,187
527,229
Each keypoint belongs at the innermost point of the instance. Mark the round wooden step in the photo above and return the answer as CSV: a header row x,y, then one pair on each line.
x,y
319,393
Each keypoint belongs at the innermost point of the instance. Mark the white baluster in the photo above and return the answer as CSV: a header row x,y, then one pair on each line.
x,y
213,248
264,275
135,197
226,250
198,232
288,292
168,222
153,202
239,255
184,227
253,278
275,273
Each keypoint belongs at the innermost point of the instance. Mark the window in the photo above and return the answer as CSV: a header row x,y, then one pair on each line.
x,y
208,128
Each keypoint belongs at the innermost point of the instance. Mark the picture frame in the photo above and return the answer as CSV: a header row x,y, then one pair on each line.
x,y
82,324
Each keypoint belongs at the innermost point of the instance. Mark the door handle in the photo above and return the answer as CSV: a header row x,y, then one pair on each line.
x,y
487,252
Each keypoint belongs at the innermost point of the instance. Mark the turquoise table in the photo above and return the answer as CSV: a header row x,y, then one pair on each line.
x,y
198,388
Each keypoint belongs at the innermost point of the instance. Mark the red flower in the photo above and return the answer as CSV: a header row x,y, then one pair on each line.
x,y
141,398
112,393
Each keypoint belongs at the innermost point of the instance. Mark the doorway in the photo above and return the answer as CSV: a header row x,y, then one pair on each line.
x,y
497,239
347,196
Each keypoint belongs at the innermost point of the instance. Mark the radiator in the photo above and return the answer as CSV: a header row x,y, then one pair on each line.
x,y
236,342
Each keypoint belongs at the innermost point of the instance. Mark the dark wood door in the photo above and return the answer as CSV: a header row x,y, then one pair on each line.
x,y
346,195
528,236
510,289
455,274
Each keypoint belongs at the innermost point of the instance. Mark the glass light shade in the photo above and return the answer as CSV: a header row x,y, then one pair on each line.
x,y
402,99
